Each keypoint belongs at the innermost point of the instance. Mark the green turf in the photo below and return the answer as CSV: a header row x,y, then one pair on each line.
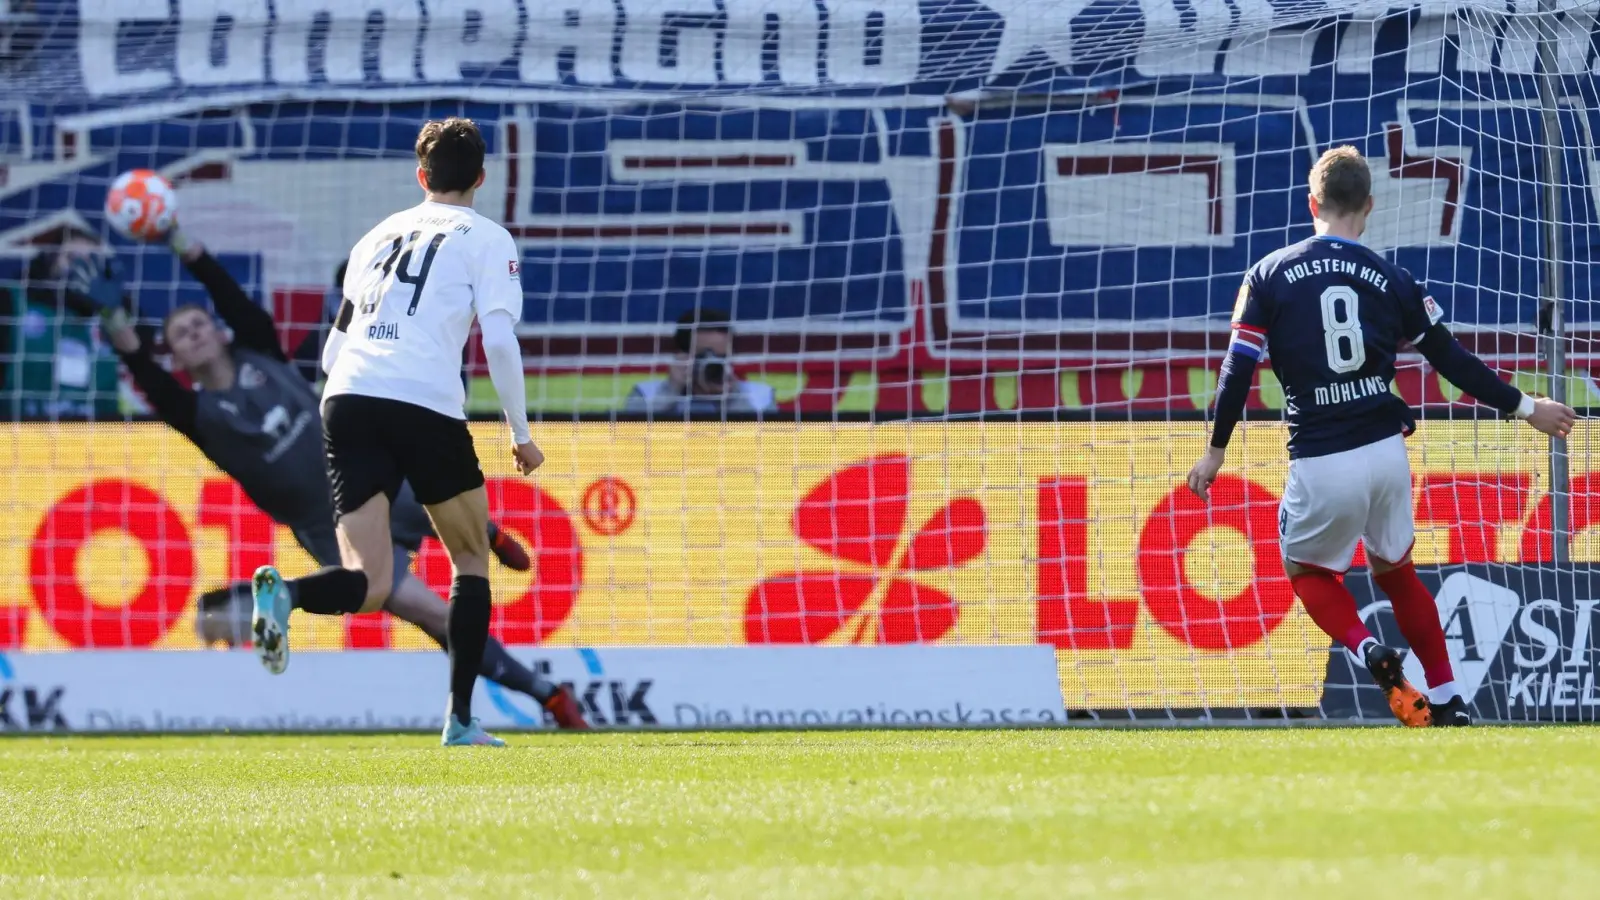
x,y
1050,814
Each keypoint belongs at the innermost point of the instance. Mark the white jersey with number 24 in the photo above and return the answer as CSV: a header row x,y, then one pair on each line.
x,y
412,288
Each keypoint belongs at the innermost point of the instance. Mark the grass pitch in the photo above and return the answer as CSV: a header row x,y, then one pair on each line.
x,y
1051,814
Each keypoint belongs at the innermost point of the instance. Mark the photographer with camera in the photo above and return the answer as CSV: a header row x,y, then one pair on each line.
x,y
52,364
701,380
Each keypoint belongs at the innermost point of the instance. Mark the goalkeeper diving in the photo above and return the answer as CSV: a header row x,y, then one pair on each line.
x,y
256,417
1334,315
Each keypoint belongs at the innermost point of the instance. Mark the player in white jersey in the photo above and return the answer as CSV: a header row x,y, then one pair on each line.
x,y
394,407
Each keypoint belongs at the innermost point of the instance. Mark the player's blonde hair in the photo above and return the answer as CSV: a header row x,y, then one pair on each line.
x,y
181,309
1341,181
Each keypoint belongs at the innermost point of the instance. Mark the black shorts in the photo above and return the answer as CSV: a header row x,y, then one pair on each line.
x,y
375,444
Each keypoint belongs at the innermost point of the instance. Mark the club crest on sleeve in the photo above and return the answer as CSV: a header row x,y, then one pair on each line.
x,y
515,267
1435,313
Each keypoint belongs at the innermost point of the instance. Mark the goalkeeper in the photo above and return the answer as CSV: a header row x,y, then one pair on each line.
x,y
257,419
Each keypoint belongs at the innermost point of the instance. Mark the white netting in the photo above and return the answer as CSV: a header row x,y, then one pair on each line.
x,y
1020,225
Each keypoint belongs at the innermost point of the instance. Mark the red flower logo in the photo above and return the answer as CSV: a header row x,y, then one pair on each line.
x,y
858,516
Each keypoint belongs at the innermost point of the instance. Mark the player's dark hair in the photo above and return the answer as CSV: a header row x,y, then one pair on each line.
x,y
1341,181
699,320
450,153
338,274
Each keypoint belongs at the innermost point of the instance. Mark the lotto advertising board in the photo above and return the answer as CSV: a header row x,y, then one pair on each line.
x,y
632,687
1078,537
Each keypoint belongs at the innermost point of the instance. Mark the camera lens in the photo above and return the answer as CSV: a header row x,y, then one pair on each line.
x,y
711,367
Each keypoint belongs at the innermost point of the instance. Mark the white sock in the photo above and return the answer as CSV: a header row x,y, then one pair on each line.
x,y
1358,656
1443,693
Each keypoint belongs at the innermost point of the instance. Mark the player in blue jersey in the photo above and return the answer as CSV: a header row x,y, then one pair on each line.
x,y
1335,314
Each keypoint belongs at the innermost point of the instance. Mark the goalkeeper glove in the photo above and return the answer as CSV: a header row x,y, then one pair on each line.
x,y
183,245
114,319
97,278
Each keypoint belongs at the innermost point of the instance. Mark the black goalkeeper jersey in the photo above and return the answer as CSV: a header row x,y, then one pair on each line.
x,y
1333,315
265,430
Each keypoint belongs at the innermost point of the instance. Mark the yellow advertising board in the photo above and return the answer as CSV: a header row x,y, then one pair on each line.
x,y
1076,535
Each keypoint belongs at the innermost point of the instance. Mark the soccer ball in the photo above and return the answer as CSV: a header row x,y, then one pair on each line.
x,y
141,205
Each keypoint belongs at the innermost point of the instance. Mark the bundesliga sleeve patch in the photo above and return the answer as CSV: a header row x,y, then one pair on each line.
x,y
1241,301
1435,313
515,267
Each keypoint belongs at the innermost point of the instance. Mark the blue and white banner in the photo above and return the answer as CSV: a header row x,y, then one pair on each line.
x,y
796,162
120,48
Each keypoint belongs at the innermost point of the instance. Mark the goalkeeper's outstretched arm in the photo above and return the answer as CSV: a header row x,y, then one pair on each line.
x,y
252,325
175,404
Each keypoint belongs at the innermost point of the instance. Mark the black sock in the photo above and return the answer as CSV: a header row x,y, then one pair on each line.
x,y
468,632
330,592
501,668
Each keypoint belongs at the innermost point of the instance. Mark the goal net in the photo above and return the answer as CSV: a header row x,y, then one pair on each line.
x,y
978,260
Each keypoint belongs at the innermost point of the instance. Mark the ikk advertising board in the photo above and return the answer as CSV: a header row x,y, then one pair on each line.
x,y
1078,537
632,687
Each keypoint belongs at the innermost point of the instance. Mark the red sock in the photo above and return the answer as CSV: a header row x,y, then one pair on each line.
x,y
1418,618
1331,606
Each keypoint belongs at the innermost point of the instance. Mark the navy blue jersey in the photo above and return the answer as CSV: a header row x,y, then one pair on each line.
x,y
1333,314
